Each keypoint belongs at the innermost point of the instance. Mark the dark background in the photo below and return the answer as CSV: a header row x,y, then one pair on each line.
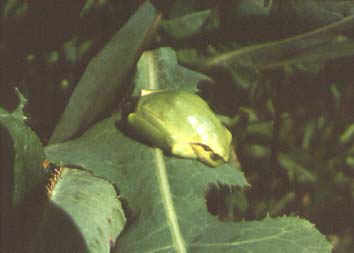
x,y
298,156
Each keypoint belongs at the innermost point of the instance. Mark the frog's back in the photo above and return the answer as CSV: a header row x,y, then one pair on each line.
x,y
183,111
178,101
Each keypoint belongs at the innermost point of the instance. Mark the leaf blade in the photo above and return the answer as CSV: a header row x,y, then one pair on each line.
x,y
159,69
86,208
21,176
106,74
116,160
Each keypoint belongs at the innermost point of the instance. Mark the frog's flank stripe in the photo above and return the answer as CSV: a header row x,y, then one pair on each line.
x,y
151,70
168,203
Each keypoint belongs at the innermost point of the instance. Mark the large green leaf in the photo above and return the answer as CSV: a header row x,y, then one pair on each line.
x,y
107,151
166,193
290,235
166,198
83,215
106,75
21,175
159,69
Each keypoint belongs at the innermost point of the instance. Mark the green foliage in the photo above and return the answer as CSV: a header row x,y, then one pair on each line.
x,y
190,25
277,73
165,194
82,207
85,209
28,155
121,54
168,73
21,174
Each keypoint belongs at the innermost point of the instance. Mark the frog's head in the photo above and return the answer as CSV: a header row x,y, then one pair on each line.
x,y
213,152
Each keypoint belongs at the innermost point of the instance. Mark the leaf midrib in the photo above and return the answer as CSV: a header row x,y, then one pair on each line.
x,y
167,202
161,173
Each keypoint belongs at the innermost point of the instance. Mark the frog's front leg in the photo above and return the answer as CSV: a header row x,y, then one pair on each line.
x,y
183,149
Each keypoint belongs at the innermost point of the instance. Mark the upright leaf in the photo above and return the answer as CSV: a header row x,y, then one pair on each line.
x,y
106,75
160,69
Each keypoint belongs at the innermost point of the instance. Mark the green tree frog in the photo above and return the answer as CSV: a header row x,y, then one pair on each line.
x,y
181,123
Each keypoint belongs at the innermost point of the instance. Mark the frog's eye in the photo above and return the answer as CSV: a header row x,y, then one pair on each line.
x,y
206,148
215,157
212,155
